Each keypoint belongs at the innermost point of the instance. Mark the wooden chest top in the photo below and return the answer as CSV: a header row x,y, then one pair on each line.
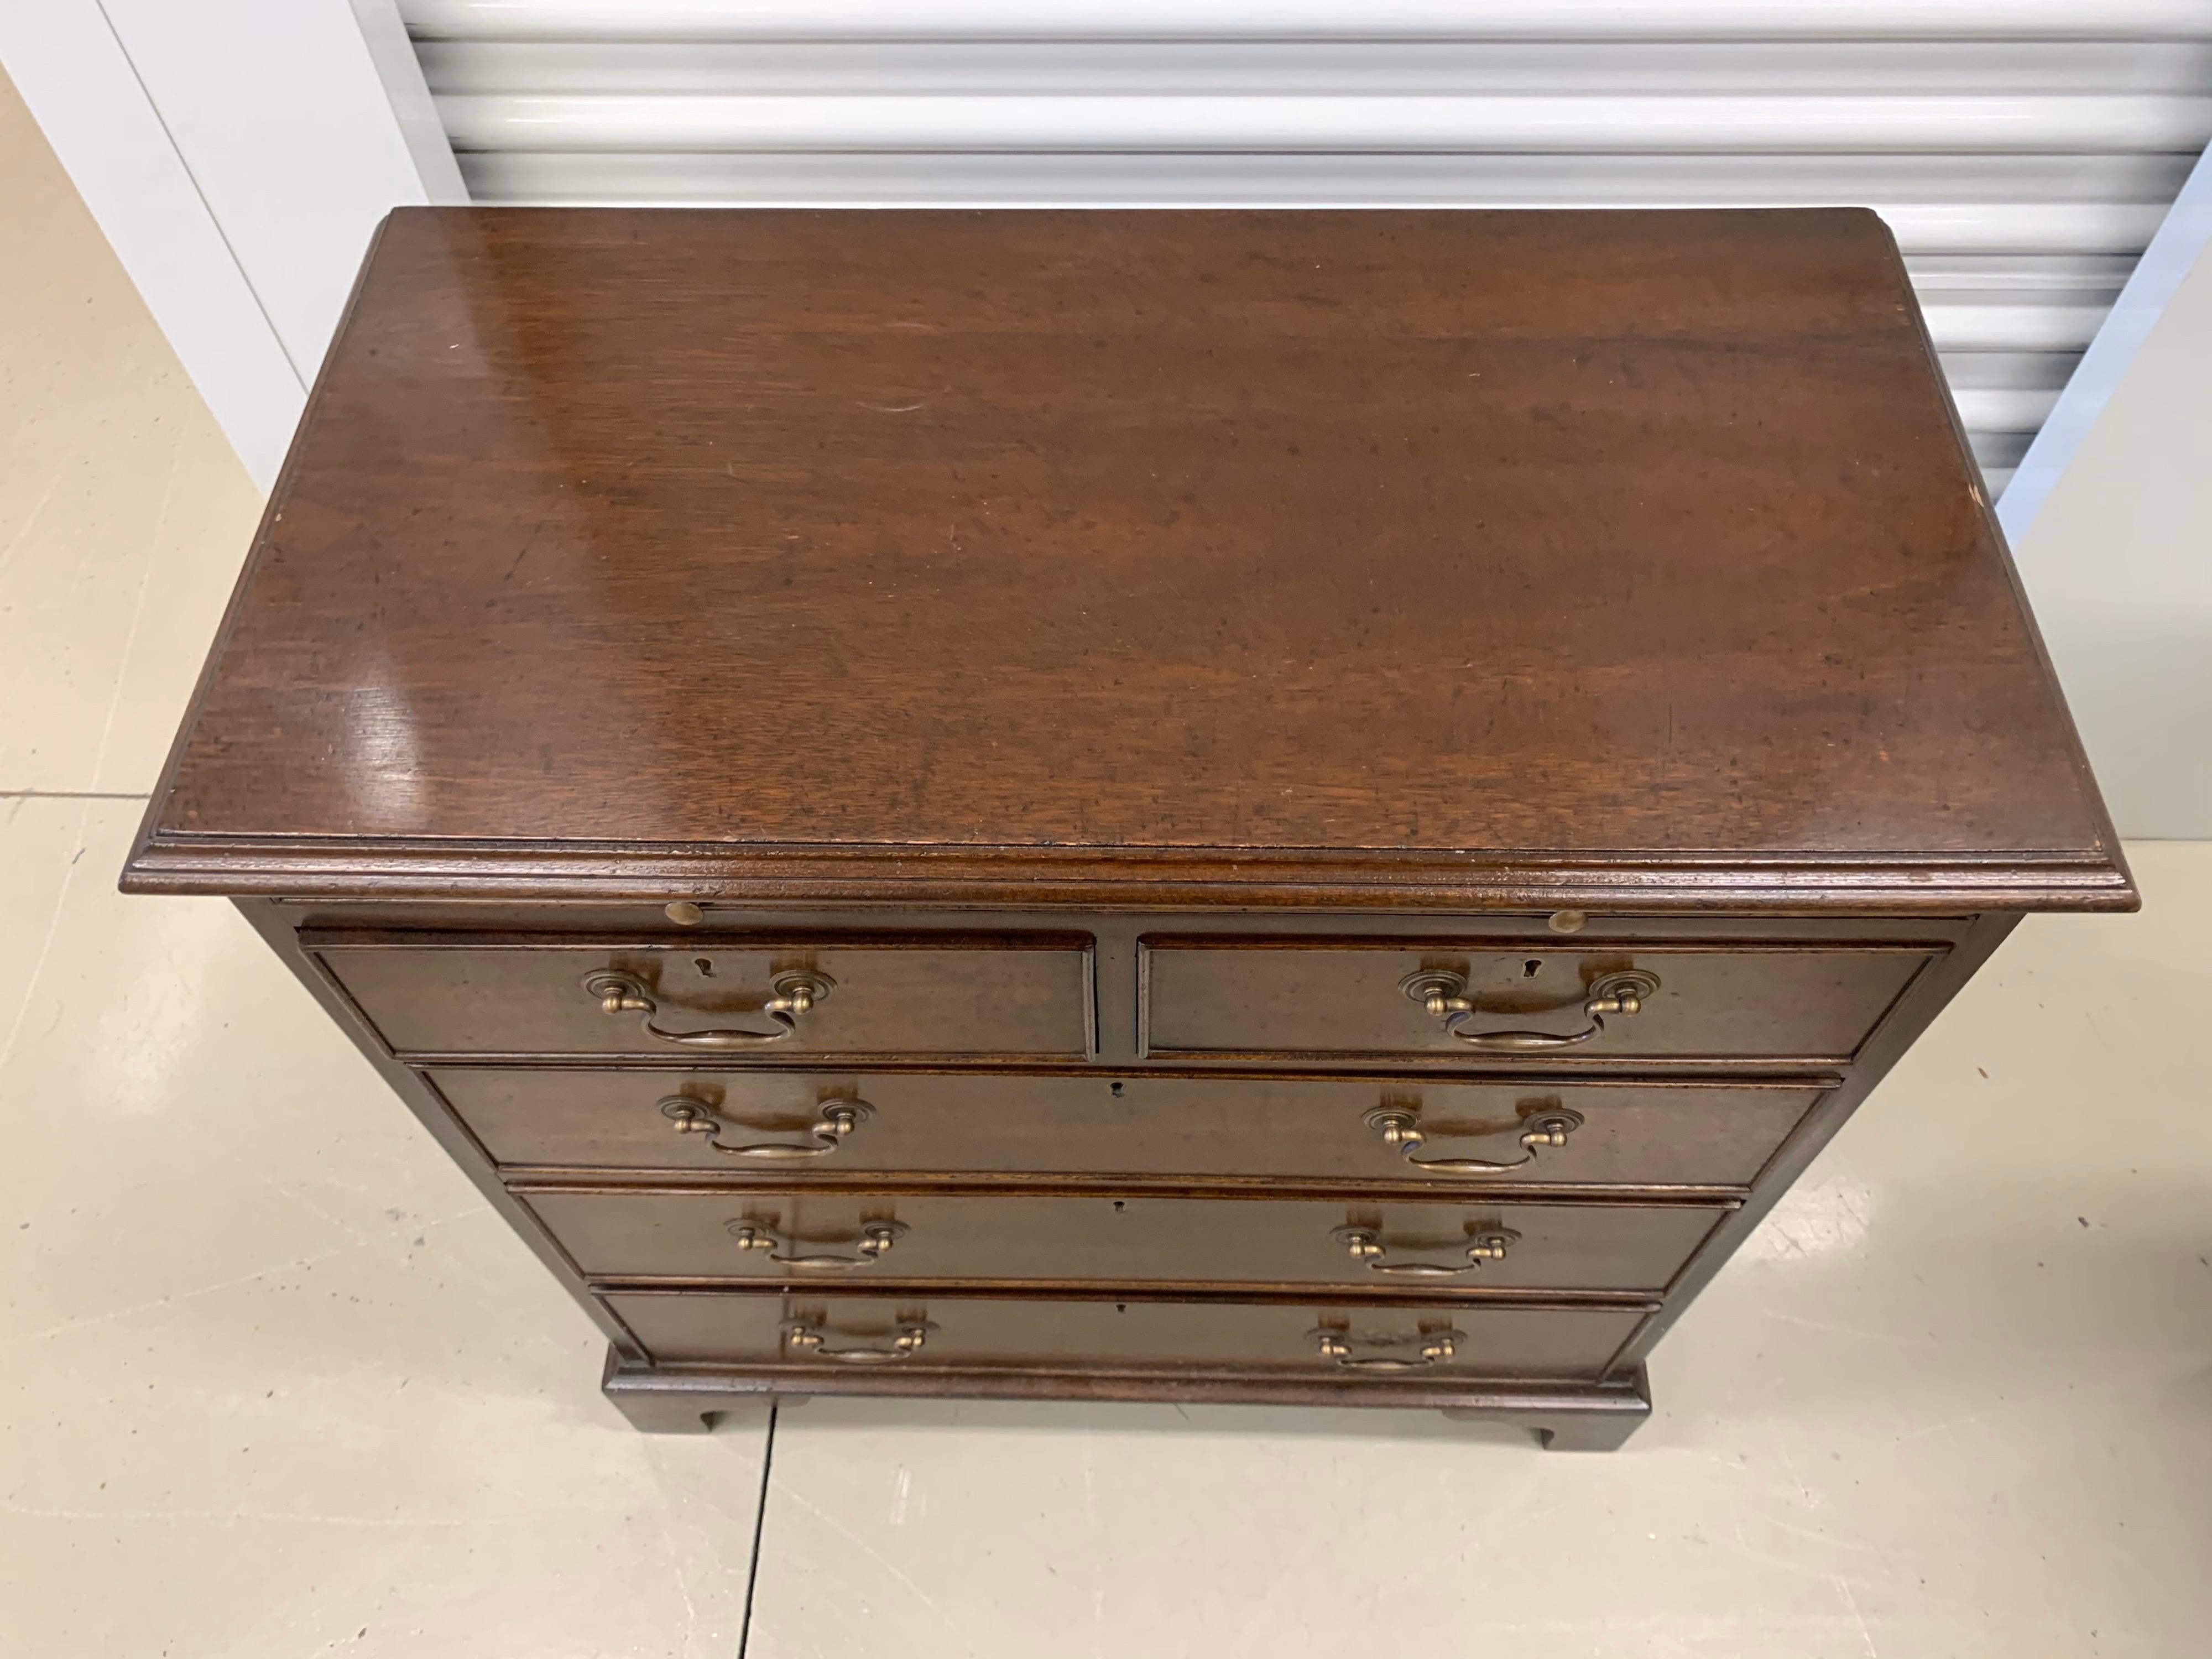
x,y
1450,559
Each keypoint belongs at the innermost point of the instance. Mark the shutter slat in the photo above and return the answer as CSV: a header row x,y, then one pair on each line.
x,y
1236,20
1141,122
1019,180
1311,68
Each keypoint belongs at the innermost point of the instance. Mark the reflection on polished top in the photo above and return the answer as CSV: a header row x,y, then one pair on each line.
x,y
1446,558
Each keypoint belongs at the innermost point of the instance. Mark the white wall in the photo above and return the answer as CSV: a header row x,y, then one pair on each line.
x,y
237,154
2118,563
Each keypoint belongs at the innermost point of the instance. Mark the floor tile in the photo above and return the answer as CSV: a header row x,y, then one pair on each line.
x,y
274,1379
1955,1399
38,839
123,514
198,538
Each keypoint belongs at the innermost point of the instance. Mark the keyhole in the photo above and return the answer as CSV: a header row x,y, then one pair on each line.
x,y
705,968
1531,968
1117,1203
1117,1091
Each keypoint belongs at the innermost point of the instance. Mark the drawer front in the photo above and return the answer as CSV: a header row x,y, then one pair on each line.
x,y
924,1237
1129,1124
830,1333
958,996
1535,1005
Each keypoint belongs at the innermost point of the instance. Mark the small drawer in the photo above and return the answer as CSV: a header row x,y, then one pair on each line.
x,y
1532,1004
835,1333
923,1237
1131,1124
949,994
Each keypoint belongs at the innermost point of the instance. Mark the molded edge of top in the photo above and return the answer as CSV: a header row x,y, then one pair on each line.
x,y
1063,878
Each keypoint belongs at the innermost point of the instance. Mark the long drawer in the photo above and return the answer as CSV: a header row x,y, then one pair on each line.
x,y
936,995
832,1334
1130,1123
925,1237
1218,996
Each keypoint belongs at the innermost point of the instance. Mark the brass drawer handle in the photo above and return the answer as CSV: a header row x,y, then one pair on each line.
x,y
834,1120
793,994
806,1337
1443,993
876,1238
1436,1347
1367,1245
1399,1128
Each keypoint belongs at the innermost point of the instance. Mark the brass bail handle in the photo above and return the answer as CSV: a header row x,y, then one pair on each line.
x,y
792,994
876,1238
833,1119
807,1339
1399,1127
1434,1348
1443,993
1365,1245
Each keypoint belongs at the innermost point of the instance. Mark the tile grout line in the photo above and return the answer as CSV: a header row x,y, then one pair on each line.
x,y
138,602
46,944
73,794
760,1524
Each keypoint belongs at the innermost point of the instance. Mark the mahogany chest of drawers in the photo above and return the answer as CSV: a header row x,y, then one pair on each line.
x,y
1205,806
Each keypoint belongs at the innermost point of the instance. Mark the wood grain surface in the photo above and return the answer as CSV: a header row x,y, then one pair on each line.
x,y
1096,1125
1204,536
932,995
700,1327
1015,1237
1314,997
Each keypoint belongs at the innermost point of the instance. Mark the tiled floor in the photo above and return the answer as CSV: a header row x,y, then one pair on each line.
x,y
275,1382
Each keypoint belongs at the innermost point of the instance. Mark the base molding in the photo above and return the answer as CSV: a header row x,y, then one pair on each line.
x,y
689,1399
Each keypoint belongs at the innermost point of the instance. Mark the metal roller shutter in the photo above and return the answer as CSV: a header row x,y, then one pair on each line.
x,y
2023,150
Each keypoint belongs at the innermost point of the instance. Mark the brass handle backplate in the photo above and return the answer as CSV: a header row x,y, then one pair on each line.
x,y
833,1119
1399,1127
876,1238
791,994
807,1340
1486,1245
1429,1348
1442,992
